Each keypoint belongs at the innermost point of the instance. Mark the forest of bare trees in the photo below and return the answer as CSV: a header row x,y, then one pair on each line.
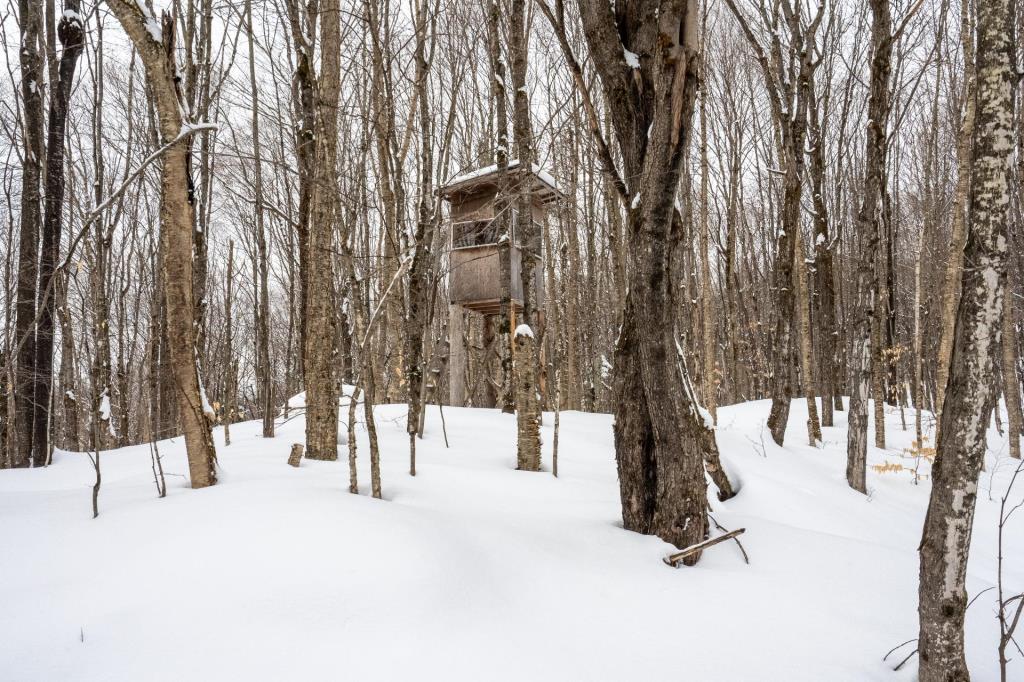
x,y
211,207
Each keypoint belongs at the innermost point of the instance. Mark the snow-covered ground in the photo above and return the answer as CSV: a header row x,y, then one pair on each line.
x,y
472,570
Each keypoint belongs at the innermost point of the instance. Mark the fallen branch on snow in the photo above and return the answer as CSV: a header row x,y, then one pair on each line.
x,y
674,560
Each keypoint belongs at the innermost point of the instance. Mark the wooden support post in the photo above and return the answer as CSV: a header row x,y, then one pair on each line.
x,y
456,357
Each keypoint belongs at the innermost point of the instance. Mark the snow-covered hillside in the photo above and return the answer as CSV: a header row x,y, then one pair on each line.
x,y
473,570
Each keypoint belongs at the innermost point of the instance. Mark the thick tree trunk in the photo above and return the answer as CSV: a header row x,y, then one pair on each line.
x,y
71,30
661,436
176,234
946,540
31,22
321,311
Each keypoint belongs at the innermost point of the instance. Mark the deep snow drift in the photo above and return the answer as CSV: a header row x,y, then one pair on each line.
x,y
472,570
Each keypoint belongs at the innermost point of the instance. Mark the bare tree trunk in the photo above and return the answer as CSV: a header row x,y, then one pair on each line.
x,y
68,374
824,276
229,350
321,311
32,82
878,359
955,258
787,79
417,319
527,348
176,233
265,374
501,204
946,540
865,338
71,30
709,383
661,438
103,435
806,351
527,404
1011,385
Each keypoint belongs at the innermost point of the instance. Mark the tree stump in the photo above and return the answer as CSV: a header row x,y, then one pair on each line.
x,y
296,455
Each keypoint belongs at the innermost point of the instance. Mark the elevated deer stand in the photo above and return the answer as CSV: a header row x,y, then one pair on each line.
x,y
474,282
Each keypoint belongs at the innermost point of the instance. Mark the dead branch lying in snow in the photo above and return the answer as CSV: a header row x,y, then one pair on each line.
x,y
674,560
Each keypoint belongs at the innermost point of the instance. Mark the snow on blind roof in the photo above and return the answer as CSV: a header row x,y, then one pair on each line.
x,y
544,176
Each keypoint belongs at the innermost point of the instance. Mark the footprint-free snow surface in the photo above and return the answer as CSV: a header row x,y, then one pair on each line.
x,y
473,570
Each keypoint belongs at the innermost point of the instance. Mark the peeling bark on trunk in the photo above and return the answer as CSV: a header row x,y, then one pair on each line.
x,y
946,539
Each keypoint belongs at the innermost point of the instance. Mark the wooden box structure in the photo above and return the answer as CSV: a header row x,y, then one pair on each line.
x,y
474,281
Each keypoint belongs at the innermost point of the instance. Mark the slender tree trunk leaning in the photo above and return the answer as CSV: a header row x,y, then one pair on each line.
x,y
946,540
958,240
175,232
868,233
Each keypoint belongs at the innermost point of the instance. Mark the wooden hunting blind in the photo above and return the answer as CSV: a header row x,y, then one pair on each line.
x,y
474,281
